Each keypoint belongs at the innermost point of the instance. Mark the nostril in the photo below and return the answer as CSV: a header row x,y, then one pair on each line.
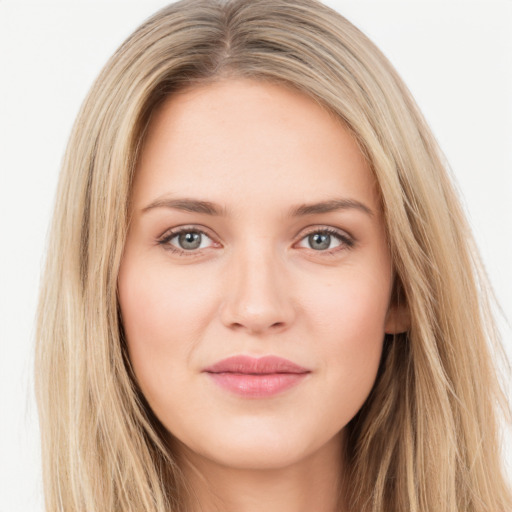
x,y
257,328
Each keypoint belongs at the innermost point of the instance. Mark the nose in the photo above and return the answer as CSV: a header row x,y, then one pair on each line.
x,y
257,296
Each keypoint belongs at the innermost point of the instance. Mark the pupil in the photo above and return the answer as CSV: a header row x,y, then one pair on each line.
x,y
320,241
190,240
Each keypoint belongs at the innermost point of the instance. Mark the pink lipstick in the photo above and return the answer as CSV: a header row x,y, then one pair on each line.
x,y
256,377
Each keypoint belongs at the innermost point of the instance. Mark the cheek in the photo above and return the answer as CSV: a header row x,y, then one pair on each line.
x,y
350,318
351,307
162,313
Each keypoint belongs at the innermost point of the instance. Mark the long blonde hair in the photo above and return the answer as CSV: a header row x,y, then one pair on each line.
x,y
427,438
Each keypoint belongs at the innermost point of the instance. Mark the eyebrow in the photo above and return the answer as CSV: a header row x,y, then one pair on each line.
x,y
209,208
187,205
331,205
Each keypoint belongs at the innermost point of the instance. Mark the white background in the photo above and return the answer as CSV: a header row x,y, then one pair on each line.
x,y
456,57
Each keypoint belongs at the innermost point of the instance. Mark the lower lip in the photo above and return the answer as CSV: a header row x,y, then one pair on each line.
x,y
257,386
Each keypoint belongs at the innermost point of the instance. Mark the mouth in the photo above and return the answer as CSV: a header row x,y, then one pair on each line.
x,y
251,377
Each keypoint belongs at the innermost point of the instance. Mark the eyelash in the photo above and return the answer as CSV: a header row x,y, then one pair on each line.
x,y
346,241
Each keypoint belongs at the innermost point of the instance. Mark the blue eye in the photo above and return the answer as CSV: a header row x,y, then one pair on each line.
x,y
326,240
321,241
186,240
189,241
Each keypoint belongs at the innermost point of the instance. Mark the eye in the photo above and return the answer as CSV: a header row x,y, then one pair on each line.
x,y
185,240
326,240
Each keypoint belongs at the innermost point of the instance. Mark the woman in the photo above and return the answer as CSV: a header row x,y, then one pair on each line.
x,y
261,292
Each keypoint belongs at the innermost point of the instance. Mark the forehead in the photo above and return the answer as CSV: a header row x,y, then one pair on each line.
x,y
236,140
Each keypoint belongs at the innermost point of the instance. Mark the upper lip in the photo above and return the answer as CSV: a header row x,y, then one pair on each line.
x,y
255,366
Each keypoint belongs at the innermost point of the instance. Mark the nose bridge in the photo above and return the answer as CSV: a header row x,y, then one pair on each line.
x,y
257,297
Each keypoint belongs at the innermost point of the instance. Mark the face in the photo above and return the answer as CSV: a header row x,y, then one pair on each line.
x,y
256,233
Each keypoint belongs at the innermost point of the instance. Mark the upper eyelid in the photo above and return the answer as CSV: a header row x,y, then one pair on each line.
x,y
202,229
320,228
341,233
171,232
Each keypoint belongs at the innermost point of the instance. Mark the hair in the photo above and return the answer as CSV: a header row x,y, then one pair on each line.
x,y
428,436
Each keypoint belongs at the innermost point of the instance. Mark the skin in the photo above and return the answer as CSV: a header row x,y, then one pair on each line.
x,y
257,285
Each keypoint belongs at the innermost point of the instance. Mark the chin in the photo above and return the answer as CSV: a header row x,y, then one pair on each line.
x,y
256,449
257,456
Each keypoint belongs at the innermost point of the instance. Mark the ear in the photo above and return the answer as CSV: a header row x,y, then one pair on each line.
x,y
398,319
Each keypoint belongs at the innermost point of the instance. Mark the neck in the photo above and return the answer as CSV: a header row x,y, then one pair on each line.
x,y
311,483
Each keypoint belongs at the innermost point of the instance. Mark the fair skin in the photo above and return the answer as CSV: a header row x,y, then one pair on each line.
x,y
255,280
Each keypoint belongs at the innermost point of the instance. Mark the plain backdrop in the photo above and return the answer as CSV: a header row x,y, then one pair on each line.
x,y
455,56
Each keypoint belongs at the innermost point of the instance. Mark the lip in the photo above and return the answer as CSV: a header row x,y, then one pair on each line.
x,y
256,377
